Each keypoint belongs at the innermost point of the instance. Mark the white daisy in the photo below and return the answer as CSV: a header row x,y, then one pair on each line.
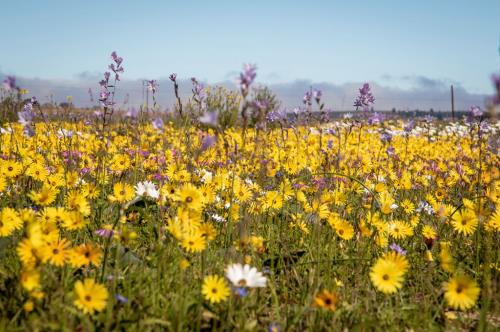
x,y
245,276
147,188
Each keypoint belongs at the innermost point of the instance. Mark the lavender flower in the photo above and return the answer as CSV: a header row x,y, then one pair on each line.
x,y
198,91
473,113
386,137
247,77
398,249
307,98
26,117
9,83
276,115
241,291
365,98
274,327
105,96
152,85
132,113
118,68
428,118
173,77
376,118
158,124
103,232
120,298
208,142
408,127
209,119
317,94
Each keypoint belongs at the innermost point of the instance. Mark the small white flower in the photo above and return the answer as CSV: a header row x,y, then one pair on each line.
x,y
394,206
147,188
245,276
217,218
207,176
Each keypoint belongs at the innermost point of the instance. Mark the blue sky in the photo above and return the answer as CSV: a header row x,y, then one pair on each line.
x,y
322,41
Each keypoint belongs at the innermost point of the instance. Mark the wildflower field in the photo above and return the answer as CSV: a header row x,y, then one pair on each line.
x,y
230,214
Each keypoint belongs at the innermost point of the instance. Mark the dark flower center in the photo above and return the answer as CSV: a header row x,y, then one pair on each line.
x,y
385,277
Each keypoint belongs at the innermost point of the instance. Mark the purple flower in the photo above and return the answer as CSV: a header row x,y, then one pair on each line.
x,y
173,77
408,127
386,137
317,95
198,91
365,98
120,298
116,58
376,118
276,115
103,232
9,83
428,118
208,142
274,327
247,77
84,170
398,249
132,113
307,98
209,119
152,85
241,291
158,124
474,112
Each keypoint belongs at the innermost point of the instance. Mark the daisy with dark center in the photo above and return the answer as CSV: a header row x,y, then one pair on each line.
x,y
190,197
461,292
122,193
465,222
56,252
327,300
215,289
10,168
387,275
194,242
90,296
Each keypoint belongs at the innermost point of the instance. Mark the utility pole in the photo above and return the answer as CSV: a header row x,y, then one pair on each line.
x,y
452,104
